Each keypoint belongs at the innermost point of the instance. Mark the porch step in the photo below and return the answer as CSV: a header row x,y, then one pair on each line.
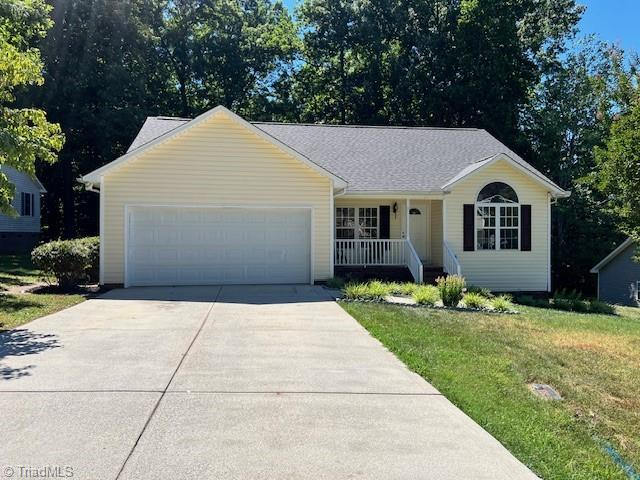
x,y
430,273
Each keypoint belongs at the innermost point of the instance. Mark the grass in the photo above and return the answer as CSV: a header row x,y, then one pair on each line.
x,y
483,362
16,310
16,270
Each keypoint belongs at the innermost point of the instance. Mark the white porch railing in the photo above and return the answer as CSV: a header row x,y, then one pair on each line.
x,y
414,264
377,252
370,252
450,261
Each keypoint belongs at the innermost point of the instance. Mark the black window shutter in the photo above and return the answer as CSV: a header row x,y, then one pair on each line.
x,y
525,228
468,227
385,221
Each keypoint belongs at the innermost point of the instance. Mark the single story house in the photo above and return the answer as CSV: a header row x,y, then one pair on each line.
x,y
20,233
220,200
619,276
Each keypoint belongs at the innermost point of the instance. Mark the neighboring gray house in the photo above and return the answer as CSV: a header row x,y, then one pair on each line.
x,y
619,276
21,233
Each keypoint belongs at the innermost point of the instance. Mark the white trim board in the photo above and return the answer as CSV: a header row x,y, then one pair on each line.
x,y
531,172
94,177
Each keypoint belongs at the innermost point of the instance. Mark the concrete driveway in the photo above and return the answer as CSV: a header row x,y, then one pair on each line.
x,y
269,382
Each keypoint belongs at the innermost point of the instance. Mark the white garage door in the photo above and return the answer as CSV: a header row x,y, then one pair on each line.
x,y
214,246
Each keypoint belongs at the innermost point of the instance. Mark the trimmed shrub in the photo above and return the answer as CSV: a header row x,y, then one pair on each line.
x,y
502,303
484,292
69,262
596,306
93,270
451,289
375,290
580,306
406,288
474,300
426,295
563,304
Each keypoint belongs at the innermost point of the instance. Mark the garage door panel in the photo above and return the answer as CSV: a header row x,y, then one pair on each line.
x,y
188,246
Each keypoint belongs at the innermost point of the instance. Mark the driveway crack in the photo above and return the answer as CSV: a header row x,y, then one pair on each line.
x,y
166,388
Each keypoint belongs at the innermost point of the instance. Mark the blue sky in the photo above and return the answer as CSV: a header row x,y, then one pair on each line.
x,y
615,21
612,20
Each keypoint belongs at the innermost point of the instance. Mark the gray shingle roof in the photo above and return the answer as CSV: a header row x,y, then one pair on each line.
x,y
373,158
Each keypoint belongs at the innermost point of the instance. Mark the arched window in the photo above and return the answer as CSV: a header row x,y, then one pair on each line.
x,y
497,192
497,218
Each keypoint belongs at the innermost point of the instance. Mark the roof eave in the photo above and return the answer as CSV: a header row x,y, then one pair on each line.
x,y
612,255
94,177
553,189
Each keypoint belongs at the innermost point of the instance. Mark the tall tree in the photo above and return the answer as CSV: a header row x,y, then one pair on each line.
x,y
618,173
568,119
435,62
103,77
25,133
224,52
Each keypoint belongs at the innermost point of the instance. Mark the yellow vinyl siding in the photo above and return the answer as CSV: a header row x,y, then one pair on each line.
x,y
216,163
502,270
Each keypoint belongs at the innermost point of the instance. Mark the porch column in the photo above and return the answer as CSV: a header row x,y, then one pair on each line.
x,y
406,212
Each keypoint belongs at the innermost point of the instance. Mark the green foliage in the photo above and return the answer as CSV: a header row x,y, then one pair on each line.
x,y
25,133
93,269
580,306
572,301
596,306
568,116
69,262
451,289
426,295
226,52
374,290
484,292
474,300
563,304
502,303
618,173
407,288
563,293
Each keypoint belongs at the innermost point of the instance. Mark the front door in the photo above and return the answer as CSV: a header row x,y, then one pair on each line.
x,y
418,216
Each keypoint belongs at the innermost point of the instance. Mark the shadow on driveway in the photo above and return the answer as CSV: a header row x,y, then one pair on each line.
x,y
242,294
20,342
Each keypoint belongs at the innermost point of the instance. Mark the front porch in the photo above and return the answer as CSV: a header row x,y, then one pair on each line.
x,y
391,238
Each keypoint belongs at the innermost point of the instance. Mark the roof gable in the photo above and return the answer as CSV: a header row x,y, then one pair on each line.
x,y
15,176
518,164
621,248
145,145
366,159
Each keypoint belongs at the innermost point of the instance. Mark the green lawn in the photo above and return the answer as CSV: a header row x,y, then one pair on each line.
x,y
16,270
482,362
18,309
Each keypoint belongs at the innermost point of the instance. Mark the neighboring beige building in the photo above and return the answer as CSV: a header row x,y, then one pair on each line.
x,y
219,200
